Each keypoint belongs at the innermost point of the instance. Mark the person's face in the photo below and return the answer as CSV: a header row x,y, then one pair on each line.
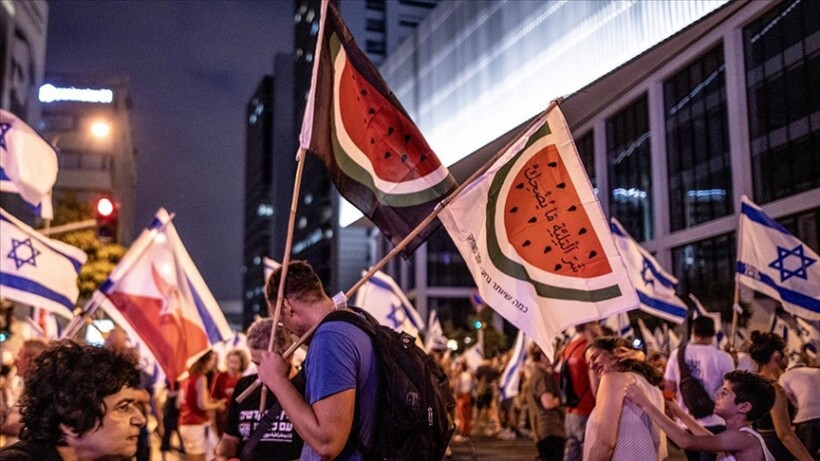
x,y
725,401
116,437
294,316
234,364
600,361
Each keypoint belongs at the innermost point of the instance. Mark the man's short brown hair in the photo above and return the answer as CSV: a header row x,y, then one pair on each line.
x,y
301,283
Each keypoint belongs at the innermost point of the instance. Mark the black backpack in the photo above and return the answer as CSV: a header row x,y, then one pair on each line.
x,y
697,400
414,404
566,390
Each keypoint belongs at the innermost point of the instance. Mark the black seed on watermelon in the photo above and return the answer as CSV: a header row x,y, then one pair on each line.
x,y
407,138
520,186
526,243
372,141
357,98
582,231
387,155
561,185
422,157
593,254
558,267
364,92
573,208
389,130
404,158
371,111
547,249
514,209
532,220
553,164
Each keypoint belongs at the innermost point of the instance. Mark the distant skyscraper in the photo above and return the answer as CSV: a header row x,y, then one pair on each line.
x,y
89,120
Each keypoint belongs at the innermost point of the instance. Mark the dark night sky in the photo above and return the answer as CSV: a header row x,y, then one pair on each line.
x,y
192,67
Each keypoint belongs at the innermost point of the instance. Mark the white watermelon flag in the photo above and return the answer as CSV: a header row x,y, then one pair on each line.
x,y
535,239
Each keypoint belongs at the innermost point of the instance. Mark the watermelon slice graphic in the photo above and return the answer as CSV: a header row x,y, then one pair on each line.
x,y
377,144
537,224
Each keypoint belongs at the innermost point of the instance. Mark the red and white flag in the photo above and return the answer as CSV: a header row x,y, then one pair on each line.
x,y
157,294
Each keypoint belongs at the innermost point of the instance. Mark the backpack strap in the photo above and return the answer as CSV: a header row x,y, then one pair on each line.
x,y
685,372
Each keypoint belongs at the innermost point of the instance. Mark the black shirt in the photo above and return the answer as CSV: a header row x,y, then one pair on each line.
x,y
24,451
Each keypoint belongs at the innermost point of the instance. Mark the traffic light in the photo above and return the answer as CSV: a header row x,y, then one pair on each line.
x,y
106,219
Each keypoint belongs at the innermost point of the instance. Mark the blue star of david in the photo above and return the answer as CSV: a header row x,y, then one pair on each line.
x,y
786,272
4,128
646,273
393,315
21,258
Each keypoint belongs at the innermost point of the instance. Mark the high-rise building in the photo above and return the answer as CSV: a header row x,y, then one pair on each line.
x,y
89,120
673,138
338,254
22,63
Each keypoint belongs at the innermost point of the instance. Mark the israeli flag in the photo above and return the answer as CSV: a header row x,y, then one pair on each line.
x,y
382,298
774,262
619,323
269,265
28,164
434,337
655,286
511,377
37,270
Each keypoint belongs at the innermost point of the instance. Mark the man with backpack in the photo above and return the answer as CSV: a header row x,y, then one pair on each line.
x,y
337,414
370,393
694,381
577,394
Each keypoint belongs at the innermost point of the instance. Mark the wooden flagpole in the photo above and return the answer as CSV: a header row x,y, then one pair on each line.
x,y
91,306
412,235
280,296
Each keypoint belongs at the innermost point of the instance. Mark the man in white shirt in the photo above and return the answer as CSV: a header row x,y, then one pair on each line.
x,y
801,384
706,363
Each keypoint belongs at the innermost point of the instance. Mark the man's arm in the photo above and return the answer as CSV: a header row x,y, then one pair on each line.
x,y
783,426
325,426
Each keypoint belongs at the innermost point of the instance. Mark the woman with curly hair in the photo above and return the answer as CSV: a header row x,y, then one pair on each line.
x,y
768,350
80,402
618,429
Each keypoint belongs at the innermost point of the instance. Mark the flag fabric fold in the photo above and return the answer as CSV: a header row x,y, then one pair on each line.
x,y
28,164
774,262
655,287
538,245
37,270
511,377
382,297
620,324
157,294
434,335
374,153
269,265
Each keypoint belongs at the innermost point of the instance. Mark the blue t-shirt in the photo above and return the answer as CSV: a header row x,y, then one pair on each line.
x,y
340,357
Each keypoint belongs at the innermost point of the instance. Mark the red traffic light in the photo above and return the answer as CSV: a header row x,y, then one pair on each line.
x,y
105,207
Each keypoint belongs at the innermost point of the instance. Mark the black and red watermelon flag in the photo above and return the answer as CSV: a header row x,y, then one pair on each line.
x,y
374,153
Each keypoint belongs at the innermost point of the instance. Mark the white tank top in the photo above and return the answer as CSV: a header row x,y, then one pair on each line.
x,y
766,453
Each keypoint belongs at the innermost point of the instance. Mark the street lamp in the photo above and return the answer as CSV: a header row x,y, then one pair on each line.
x,y
100,129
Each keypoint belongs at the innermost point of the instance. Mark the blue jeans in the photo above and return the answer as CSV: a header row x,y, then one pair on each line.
x,y
575,425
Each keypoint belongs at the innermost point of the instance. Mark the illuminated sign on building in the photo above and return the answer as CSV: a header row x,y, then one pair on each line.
x,y
50,93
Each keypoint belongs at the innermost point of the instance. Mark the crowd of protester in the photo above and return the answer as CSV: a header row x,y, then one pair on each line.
x,y
599,399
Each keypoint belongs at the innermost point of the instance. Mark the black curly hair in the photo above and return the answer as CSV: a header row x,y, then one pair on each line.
x,y
612,343
764,345
752,388
67,385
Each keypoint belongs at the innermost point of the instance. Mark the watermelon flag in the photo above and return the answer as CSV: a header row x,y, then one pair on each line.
x,y
374,153
157,294
535,239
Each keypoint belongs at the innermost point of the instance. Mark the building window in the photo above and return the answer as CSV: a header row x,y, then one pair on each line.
x,y
375,5
586,150
376,47
445,266
374,25
697,142
630,169
429,4
805,226
706,268
782,71
75,160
